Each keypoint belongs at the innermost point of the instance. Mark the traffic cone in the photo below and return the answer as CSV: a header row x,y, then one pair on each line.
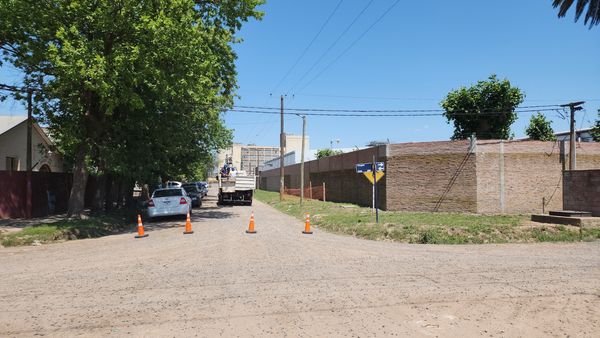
x,y
251,225
307,226
140,228
188,225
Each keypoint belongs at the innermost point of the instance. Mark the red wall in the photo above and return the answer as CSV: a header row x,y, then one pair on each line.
x,y
13,193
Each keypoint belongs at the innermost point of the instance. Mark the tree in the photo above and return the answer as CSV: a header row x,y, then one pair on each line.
x,y
131,88
596,129
540,129
486,109
327,152
592,14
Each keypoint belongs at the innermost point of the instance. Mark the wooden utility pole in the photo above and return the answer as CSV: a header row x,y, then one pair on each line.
x,y
302,160
573,107
29,151
281,153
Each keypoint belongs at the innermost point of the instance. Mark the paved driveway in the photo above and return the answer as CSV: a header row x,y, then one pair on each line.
x,y
221,281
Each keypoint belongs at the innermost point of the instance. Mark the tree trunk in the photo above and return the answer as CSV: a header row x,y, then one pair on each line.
x,y
77,196
129,200
108,199
99,194
120,193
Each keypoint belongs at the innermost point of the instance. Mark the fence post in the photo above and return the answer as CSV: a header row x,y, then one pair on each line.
x,y
310,189
324,199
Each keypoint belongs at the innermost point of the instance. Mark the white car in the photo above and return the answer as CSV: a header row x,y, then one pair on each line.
x,y
173,184
169,202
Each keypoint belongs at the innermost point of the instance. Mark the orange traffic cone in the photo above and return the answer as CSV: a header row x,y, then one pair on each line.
x,y
307,226
251,225
140,228
188,225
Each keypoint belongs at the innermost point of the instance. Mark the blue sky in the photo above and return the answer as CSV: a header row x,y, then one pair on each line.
x,y
409,60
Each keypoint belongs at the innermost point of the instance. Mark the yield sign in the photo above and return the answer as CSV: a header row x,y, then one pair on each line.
x,y
378,175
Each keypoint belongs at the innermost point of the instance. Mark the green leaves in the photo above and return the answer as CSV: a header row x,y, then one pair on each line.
x,y
540,129
140,84
486,109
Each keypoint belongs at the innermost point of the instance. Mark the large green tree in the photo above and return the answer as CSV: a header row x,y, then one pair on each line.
x,y
591,8
133,88
540,128
486,109
596,129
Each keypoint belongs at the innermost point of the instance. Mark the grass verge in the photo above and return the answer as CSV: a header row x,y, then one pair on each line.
x,y
425,227
67,229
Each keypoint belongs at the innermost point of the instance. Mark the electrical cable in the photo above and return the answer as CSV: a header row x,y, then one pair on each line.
x,y
331,46
308,46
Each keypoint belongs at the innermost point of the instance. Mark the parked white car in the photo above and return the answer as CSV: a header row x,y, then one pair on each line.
x,y
169,202
173,184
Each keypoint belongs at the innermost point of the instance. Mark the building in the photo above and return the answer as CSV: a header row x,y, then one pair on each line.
x,y
249,157
13,146
483,176
581,135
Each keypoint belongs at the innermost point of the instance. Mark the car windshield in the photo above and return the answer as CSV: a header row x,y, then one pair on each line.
x,y
190,188
167,193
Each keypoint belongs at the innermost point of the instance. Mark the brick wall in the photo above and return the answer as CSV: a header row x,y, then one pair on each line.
x,y
531,170
498,177
338,172
431,176
581,190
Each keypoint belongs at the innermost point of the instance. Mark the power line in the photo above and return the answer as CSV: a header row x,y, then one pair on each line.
x,y
553,106
308,46
332,45
351,45
414,113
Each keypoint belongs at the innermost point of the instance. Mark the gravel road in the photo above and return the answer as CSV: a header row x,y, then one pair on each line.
x,y
221,281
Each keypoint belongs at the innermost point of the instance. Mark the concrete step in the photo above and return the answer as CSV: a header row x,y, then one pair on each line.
x,y
586,222
571,213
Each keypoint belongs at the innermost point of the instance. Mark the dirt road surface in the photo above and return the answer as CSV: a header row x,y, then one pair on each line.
x,y
221,281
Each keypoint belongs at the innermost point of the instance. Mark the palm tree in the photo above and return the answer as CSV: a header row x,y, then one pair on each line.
x,y
592,14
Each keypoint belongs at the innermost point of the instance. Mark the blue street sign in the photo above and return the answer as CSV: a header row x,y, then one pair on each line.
x,y
368,167
363,168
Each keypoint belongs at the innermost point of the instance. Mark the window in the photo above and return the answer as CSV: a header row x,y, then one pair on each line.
x,y
12,163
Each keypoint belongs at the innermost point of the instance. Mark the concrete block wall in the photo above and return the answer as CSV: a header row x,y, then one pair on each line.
x,y
581,190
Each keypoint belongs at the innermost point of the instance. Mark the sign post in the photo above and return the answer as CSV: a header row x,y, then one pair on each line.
x,y
373,171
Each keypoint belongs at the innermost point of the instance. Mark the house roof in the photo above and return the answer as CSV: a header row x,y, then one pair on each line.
x,y
8,122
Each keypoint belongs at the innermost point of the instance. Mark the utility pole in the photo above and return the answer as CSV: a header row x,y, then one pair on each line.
x,y
29,145
302,159
281,153
573,107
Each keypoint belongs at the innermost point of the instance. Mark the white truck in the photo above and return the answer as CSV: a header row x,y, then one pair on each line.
x,y
236,187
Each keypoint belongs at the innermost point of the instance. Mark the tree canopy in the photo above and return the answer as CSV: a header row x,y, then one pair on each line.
x,y
540,128
596,129
486,109
327,152
128,88
592,13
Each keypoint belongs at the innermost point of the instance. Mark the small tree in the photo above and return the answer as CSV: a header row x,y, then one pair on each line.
x,y
486,109
327,152
596,129
540,129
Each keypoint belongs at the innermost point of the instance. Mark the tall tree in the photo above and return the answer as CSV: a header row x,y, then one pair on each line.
x,y
486,109
540,129
129,87
596,129
592,13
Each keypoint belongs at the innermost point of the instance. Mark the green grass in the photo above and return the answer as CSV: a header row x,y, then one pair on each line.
x,y
66,229
425,227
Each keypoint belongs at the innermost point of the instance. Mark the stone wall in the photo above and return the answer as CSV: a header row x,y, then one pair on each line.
x,y
581,190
